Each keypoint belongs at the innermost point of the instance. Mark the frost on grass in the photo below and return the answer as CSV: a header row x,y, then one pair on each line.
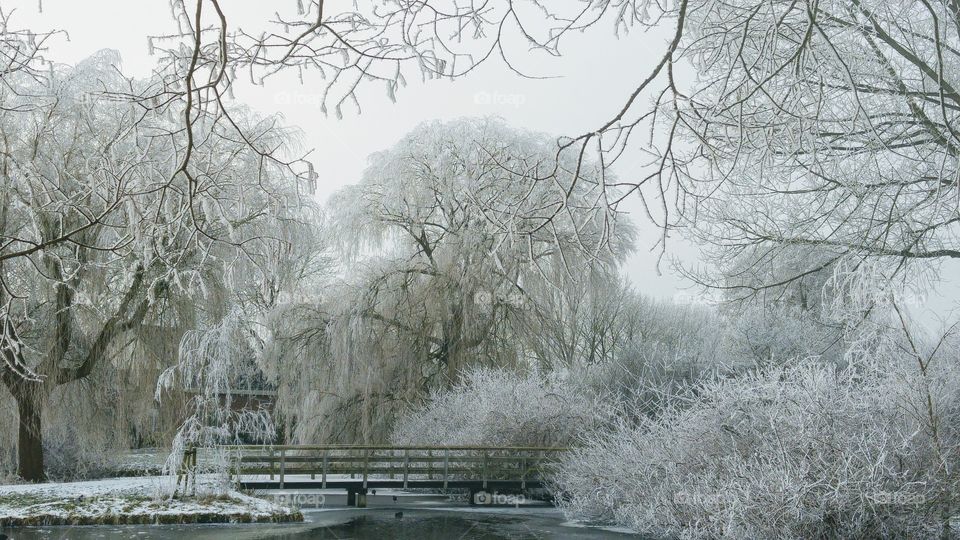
x,y
140,500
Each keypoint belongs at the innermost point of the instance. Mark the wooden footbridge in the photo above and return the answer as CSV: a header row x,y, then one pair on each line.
x,y
359,468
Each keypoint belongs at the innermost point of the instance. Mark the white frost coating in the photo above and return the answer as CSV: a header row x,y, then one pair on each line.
x,y
133,497
114,245
499,408
212,362
449,259
808,450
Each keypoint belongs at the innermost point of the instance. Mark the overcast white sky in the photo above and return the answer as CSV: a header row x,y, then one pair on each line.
x,y
592,79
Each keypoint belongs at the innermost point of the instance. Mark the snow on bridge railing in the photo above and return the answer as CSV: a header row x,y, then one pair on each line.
x,y
414,464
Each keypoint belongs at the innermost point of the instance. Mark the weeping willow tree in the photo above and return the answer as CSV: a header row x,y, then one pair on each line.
x,y
114,243
451,246
230,350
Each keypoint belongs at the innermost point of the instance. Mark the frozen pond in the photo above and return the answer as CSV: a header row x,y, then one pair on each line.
x,y
378,522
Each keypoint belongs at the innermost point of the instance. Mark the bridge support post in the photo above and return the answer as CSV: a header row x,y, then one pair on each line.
x,y
357,497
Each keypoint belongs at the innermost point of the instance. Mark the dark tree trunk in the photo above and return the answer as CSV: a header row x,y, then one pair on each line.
x,y
31,392
28,391
30,441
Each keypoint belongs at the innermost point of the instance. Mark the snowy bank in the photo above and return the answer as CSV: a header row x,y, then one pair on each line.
x,y
129,501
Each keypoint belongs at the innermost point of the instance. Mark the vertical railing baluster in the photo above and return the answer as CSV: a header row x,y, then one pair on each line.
x,y
446,466
193,489
484,473
542,458
323,481
523,469
406,466
283,465
239,466
366,466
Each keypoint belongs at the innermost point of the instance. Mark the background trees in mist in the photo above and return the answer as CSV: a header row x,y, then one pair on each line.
x,y
444,266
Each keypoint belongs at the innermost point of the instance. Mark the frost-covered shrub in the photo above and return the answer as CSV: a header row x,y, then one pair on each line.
x,y
806,451
668,347
497,407
67,456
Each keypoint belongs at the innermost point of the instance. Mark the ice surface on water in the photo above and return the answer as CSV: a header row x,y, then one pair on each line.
x,y
355,524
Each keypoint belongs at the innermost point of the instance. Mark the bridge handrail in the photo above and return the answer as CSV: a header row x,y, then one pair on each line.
x,y
525,461
390,447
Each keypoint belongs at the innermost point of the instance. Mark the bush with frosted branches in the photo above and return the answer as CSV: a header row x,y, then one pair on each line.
x,y
803,450
498,407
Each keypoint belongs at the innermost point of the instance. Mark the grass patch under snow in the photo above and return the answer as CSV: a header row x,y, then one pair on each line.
x,y
130,501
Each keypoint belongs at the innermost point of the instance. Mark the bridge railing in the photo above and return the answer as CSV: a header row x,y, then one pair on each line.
x,y
406,464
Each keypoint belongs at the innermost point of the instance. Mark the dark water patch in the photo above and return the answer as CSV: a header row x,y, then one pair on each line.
x,y
415,524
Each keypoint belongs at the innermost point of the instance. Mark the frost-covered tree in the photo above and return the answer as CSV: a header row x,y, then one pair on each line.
x,y
354,45
825,125
111,240
854,123
444,267
246,348
768,125
589,324
446,212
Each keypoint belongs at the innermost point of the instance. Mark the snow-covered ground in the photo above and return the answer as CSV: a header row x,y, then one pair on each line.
x,y
132,500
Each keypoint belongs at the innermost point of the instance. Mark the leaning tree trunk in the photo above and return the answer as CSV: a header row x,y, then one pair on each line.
x,y
29,397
